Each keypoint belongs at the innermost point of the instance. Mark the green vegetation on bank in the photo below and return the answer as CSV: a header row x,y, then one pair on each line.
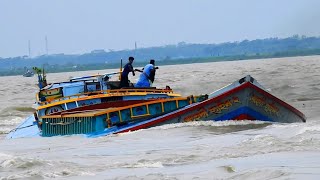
x,y
69,68
181,53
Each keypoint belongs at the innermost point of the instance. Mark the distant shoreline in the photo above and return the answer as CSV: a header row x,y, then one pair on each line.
x,y
100,66
181,53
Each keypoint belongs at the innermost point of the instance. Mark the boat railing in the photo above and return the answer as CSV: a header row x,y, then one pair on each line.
x,y
111,92
98,120
97,112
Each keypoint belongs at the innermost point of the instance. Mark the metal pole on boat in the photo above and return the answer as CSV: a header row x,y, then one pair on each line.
x,y
120,69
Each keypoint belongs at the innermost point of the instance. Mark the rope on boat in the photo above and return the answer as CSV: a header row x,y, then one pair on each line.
x,y
64,123
15,129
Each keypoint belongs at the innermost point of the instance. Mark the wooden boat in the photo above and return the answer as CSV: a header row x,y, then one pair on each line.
x,y
85,92
245,99
109,111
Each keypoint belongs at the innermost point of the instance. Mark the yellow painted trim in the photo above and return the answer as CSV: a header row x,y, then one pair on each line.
x,y
122,91
108,120
98,96
140,115
120,117
148,109
70,115
37,97
131,111
174,95
109,110
162,107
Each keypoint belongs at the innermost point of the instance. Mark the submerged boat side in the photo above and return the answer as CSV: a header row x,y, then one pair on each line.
x,y
28,128
242,100
246,101
95,121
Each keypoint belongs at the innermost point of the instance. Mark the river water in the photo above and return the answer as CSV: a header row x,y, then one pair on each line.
x,y
195,150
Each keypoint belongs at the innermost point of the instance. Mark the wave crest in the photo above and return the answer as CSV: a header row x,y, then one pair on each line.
x,y
212,124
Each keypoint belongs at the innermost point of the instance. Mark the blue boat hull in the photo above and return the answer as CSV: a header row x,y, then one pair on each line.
x,y
243,100
28,128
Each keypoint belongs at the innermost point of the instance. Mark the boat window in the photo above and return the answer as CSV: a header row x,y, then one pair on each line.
x,y
92,86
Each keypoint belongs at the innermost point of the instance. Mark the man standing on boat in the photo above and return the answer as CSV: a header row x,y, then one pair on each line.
x,y
147,76
124,82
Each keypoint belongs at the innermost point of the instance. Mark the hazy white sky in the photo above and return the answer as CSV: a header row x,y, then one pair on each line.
x,y
80,26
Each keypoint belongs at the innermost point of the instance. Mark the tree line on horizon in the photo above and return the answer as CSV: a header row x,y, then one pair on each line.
x,y
169,54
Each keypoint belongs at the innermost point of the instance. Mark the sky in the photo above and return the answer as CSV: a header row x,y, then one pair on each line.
x,y
80,26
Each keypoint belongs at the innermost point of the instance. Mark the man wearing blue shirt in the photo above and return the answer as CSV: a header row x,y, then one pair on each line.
x,y
147,76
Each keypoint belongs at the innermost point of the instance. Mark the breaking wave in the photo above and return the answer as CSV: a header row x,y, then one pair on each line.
x,y
8,123
232,124
264,174
144,164
32,168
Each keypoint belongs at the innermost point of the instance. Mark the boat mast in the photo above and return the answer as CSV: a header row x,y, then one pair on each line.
x,y
120,72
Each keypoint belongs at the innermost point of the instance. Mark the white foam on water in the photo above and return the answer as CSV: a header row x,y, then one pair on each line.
x,y
264,174
194,150
209,123
38,168
10,121
145,164
314,129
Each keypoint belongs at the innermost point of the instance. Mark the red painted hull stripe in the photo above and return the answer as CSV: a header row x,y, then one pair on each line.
x,y
209,101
